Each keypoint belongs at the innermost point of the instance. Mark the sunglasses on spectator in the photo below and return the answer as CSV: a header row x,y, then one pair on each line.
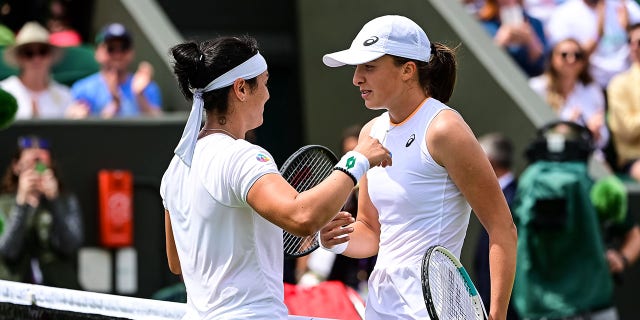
x,y
575,54
117,48
26,142
33,51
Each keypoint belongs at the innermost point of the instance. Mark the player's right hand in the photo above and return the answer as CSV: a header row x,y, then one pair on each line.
x,y
375,152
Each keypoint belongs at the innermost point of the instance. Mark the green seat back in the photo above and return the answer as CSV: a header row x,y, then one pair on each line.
x,y
5,69
76,63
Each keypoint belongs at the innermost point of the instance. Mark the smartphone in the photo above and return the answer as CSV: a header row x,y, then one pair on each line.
x,y
512,15
40,166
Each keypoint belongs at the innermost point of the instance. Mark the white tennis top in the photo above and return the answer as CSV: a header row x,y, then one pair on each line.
x,y
231,257
419,206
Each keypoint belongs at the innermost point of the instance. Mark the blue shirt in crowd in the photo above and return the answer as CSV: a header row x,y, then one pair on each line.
x,y
93,91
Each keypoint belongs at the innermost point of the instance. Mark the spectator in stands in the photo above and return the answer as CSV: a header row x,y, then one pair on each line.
x,y
514,30
599,26
59,24
42,224
38,95
114,91
472,6
499,150
619,224
541,9
567,86
623,116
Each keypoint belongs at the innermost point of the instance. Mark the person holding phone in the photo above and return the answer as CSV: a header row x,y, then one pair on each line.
x,y
600,28
42,224
514,30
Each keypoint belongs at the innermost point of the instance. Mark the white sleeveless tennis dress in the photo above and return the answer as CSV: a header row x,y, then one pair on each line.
x,y
419,206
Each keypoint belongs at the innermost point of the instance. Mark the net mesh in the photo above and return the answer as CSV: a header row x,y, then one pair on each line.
x,y
27,301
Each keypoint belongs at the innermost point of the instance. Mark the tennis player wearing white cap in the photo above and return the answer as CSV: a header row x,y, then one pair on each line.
x,y
439,172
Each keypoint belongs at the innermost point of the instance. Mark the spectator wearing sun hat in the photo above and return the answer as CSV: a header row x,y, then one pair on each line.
x,y
114,91
38,95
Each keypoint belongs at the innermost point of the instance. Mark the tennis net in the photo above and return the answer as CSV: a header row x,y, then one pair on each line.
x,y
21,301
27,301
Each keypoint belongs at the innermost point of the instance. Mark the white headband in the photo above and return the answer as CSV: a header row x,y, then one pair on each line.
x,y
249,69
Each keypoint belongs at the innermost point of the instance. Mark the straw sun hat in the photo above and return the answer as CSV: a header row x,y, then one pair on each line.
x,y
31,32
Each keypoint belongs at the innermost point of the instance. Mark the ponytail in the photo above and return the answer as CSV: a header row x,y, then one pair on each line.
x,y
438,76
185,66
198,63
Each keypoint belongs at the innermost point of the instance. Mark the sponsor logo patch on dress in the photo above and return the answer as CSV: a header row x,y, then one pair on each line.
x,y
262,157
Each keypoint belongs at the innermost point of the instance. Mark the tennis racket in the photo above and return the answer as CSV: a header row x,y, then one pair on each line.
x,y
304,169
447,288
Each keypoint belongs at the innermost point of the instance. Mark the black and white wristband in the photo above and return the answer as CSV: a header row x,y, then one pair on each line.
x,y
354,164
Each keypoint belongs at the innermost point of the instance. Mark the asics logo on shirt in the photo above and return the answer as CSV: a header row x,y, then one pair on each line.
x,y
410,141
370,41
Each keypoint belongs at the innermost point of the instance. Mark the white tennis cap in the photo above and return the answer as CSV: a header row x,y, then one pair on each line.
x,y
394,35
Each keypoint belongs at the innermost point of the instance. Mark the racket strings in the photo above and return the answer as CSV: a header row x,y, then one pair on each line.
x,y
309,170
449,291
306,171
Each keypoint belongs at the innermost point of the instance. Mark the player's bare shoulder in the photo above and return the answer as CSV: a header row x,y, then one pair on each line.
x,y
448,134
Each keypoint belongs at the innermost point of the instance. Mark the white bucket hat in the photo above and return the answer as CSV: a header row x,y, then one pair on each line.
x,y
31,32
393,35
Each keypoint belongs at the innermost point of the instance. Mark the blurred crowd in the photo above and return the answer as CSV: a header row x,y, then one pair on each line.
x,y
579,56
54,73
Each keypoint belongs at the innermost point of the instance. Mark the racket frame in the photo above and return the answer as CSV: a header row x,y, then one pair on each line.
x,y
481,313
315,242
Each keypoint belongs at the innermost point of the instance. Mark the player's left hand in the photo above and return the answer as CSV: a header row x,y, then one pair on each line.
x,y
337,230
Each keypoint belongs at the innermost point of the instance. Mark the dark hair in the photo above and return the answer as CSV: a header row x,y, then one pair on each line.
x,y
9,182
632,27
198,63
554,97
438,76
499,149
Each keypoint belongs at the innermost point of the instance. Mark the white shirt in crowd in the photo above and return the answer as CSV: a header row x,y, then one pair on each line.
x,y
49,103
574,19
588,99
